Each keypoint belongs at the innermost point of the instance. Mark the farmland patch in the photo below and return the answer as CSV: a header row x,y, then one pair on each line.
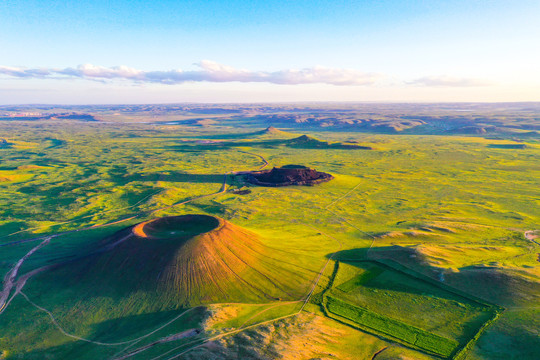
x,y
415,311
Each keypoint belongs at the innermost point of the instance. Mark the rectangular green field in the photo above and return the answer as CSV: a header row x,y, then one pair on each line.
x,y
414,310
407,333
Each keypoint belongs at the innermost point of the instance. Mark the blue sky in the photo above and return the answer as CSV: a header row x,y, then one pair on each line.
x,y
237,51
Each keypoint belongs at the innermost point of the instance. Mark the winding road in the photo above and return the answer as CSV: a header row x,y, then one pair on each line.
x,y
9,279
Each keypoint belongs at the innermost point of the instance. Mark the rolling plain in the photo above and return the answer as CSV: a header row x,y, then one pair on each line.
x,y
131,232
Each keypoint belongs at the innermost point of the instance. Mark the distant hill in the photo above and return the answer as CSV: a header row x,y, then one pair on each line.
x,y
474,119
53,116
272,132
309,142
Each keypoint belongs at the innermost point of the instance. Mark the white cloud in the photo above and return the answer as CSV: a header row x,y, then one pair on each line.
x,y
100,72
449,81
209,71
24,73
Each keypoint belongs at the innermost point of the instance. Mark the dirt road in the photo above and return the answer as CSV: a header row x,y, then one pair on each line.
x,y
9,279
532,235
179,336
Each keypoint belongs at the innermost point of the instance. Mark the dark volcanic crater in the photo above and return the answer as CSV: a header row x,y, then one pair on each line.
x,y
288,175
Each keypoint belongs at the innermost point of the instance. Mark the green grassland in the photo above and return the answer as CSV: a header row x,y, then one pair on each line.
x,y
449,208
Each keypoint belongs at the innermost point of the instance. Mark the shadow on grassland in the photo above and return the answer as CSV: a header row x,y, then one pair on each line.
x,y
119,330
503,287
224,145
123,178
392,276
173,176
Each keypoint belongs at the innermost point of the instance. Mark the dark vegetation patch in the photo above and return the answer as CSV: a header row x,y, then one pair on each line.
x,y
241,191
507,146
55,143
4,144
12,226
213,208
54,192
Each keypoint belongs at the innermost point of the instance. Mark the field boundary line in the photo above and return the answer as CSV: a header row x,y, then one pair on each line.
x,y
342,196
